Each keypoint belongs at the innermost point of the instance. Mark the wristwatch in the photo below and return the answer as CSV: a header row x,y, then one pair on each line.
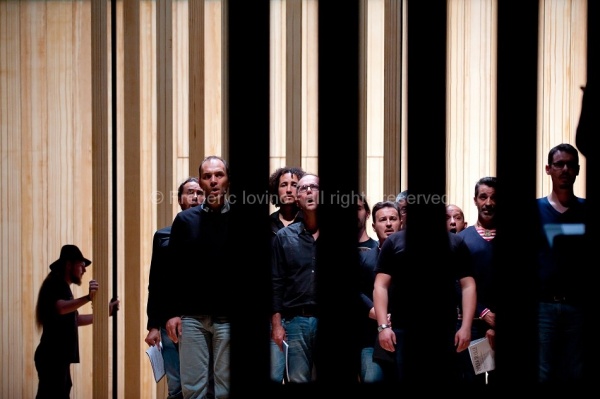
x,y
382,327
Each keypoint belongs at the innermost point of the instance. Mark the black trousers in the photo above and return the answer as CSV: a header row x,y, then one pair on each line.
x,y
54,378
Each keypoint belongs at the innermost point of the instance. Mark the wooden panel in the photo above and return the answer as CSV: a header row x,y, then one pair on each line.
x,y
163,165
310,87
197,118
377,75
81,152
10,243
392,116
471,105
181,104
214,133
32,112
293,81
139,175
561,74
101,196
277,84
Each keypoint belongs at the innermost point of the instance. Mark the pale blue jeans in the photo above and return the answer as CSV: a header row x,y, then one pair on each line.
x,y
301,335
201,337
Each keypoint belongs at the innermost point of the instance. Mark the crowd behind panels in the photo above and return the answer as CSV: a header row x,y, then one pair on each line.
x,y
193,325
382,318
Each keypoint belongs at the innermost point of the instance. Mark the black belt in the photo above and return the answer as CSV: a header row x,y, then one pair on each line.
x,y
558,299
302,311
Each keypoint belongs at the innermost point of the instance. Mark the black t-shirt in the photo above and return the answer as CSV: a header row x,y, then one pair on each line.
x,y
60,339
399,263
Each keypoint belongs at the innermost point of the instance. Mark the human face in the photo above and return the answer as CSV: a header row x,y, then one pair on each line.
x,y
76,271
362,215
485,201
402,207
287,189
308,193
563,170
191,196
214,182
387,221
455,221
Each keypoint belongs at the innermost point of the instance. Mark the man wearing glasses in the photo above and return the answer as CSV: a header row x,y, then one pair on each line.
x,y
560,311
295,311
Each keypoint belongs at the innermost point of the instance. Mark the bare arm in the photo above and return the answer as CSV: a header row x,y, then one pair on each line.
x,y
87,319
387,337
462,337
64,306
277,330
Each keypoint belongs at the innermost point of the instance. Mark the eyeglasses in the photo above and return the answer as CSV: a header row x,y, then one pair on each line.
x,y
305,187
561,164
403,210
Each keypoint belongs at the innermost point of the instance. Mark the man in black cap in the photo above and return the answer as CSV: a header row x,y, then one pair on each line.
x,y
56,313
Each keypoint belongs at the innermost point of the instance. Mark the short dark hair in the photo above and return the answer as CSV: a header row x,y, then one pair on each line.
x,y
384,204
487,181
274,181
186,181
564,147
363,198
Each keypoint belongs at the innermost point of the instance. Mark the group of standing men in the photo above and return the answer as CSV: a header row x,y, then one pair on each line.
x,y
193,325
198,322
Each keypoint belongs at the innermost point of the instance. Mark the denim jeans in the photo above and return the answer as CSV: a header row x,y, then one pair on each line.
x,y
170,354
560,339
370,371
277,363
201,338
301,335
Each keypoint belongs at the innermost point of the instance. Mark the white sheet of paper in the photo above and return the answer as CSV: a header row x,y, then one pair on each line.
x,y
286,348
157,362
482,355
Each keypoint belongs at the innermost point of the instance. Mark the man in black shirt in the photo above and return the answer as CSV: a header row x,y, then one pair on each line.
x,y
294,314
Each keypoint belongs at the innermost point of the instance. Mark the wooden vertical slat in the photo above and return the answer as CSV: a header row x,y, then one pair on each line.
x,y
81,171
392,118
277,86
101,196
310,86
164,113
372,117
135,75
363,85
34,268
11,242
196,85
293,98
562,70
471,100
139,211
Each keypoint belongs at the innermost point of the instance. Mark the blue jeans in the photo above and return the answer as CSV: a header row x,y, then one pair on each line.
x,y
203,338
301,335
370,371
277,363
560,340
170,354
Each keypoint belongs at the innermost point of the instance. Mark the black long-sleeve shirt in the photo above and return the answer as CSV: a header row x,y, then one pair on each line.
x,y
293,264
